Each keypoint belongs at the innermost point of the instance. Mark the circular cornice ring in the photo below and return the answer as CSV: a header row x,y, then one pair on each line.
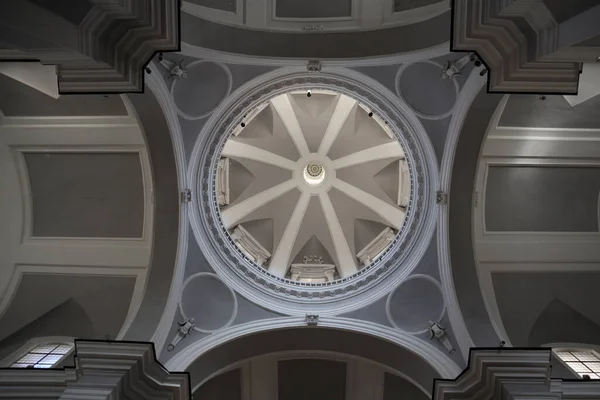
x,y
423,115
370,283
388,310
190,117
233,297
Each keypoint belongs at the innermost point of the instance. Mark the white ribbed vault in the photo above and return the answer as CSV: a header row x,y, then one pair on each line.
x,y
312,186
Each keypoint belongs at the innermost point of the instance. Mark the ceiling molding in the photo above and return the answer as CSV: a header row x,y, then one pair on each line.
x,y
363,15
437,359
283,295
95,256
519,59
159,88
105,62
191,50
471,89
149,110
123,369
510,374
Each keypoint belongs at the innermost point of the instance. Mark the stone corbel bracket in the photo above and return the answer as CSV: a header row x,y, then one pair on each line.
x,y
103,370
519,42
510,374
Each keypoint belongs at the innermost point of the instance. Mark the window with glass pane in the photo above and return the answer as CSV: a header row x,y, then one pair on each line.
x,y
43,356
583,362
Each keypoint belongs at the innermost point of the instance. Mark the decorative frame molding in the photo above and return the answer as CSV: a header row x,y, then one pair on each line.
x,y
444,115
207,113
233,296
112,256
370,283
581,245
364,15
388,308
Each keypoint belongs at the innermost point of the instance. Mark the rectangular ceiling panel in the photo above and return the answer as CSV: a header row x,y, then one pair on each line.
x,y
86,194
542,199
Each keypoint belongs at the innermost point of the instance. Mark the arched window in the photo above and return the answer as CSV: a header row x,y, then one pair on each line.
x,y
581,361
43,355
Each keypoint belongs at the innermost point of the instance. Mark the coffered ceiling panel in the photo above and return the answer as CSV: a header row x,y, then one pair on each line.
x,y
86,194
311,9
542,199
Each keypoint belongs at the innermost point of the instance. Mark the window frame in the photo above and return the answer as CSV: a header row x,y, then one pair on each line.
x,y
32,344
579,349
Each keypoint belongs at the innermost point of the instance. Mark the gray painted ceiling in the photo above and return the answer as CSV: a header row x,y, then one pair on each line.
x,y
340,341
527,198
562,10
18,99
542,308
104,299
554,112
86,194
208,34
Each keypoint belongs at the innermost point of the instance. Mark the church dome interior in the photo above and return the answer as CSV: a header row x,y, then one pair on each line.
x,y
285,199
312,186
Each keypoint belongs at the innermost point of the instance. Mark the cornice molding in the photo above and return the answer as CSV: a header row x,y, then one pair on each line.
x,y
103,369
518,41
512,374
117,38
